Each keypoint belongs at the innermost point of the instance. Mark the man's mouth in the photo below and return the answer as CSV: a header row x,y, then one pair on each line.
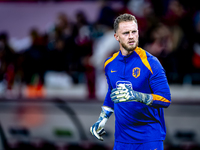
x,y
131,42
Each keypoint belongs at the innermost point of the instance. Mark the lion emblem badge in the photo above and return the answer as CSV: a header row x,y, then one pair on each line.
x,y
136,72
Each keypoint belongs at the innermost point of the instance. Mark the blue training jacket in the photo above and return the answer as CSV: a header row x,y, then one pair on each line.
x,y
136,122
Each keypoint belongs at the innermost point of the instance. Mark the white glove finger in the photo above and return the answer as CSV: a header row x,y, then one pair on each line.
x,y
101,132
119,100
115,97
91,130
120,96
122,91
122,100
97,135
114,90
94,133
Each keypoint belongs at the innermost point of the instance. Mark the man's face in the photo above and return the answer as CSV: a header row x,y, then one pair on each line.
x,y
127,35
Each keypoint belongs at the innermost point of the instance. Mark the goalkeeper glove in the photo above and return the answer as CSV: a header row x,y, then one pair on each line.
x,y
98,128
123,93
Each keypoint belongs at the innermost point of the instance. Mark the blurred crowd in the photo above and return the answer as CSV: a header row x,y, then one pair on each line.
x,y
169,30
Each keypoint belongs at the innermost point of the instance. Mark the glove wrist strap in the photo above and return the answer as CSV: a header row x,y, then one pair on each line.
x,y
106,111
146,98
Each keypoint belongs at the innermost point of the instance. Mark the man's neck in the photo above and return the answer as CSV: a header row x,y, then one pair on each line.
x,y
125,52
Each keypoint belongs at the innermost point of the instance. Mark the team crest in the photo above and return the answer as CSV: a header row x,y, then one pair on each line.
x,y
136,72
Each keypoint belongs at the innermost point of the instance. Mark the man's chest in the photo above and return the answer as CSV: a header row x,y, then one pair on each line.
x,y
133,73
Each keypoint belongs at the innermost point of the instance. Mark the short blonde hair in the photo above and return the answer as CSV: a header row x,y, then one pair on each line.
x,y
122,18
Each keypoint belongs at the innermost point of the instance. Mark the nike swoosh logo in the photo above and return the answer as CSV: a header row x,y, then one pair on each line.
x,y
113,71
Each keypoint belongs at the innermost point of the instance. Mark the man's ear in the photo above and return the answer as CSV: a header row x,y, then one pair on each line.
x,y
116,37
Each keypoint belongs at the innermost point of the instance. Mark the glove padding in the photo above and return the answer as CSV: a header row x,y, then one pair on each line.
x,y
98,128
123,93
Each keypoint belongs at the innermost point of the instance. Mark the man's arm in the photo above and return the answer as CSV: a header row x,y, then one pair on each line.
x,y
159,85
107,109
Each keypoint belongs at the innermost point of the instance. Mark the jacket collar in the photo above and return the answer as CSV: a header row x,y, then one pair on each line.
x,y
128,57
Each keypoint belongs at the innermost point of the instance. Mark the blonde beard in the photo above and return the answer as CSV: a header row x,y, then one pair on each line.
x,y
131,48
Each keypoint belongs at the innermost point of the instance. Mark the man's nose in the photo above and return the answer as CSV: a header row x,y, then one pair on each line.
x,y
131,35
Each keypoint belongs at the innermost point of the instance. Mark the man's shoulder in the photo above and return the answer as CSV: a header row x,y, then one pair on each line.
x,y
147,54
150,61
142,51
110,59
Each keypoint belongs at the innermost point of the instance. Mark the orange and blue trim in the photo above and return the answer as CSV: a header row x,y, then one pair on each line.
x,y
160,99
111,59
143,56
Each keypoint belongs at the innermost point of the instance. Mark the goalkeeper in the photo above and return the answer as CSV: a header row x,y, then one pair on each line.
x,y
137,93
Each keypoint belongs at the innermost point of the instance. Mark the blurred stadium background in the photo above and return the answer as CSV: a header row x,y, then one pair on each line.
x,y
52,82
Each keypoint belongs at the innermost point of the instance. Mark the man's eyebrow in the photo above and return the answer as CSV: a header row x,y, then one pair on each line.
x,y
130,31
